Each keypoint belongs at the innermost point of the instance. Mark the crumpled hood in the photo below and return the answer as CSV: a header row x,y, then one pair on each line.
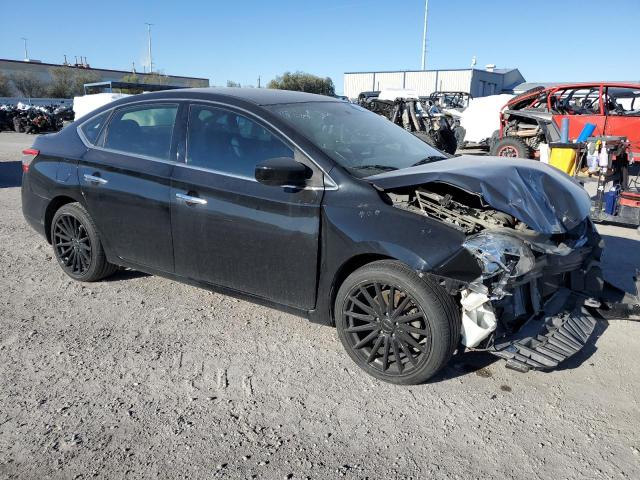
x,y
543,197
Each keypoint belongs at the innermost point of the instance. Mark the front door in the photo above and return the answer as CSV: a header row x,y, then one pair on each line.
x,y
230,230
125,180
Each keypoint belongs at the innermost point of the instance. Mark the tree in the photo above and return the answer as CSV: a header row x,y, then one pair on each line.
x,y
231,83
303,82
82,77
5,86
28,84
63,82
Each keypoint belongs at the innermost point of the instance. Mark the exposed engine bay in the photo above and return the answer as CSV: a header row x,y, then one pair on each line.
x,y
530,302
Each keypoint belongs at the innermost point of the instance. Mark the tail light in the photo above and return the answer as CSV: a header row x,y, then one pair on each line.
x,y
27,157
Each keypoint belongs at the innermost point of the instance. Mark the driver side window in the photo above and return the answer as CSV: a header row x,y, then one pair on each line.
x,y
227,142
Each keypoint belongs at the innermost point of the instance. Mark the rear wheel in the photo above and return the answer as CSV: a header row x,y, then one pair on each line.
x,y
511,147
77,246
396,326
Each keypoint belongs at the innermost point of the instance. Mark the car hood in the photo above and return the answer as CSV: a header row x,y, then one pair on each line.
x,y
543,197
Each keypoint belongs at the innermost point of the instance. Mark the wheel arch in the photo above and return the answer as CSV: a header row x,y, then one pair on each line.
x,y
54,205
347,268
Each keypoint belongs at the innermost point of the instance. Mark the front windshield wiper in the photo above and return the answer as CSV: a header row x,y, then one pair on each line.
x,y
384,168
430,159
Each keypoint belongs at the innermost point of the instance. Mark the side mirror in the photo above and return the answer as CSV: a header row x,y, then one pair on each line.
x,y
282,171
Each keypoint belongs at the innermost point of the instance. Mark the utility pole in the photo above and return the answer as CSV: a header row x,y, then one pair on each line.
x,y
149,42
26,53
424,35
258,81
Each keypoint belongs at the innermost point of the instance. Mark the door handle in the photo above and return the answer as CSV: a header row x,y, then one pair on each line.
x,y
189,200
95,180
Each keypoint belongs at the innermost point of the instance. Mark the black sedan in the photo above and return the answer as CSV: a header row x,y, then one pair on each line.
x,y
321,208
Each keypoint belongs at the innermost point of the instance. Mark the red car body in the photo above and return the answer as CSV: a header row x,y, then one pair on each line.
x,y
614,108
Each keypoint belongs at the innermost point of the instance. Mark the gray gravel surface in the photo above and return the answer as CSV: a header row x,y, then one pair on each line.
x,y
142,377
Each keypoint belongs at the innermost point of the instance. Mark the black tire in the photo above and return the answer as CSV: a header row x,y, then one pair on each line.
x,y
426,138
77,246
405,343
511,147
448,140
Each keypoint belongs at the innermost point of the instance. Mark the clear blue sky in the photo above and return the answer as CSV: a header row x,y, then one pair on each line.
x,y
239,40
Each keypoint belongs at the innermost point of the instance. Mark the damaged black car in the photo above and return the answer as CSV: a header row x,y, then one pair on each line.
x,y
326,210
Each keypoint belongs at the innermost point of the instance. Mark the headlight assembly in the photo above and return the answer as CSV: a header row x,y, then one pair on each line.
x,y
498,252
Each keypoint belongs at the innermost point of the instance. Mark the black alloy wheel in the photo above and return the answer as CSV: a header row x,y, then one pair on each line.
x,y
72,244
387,328
397,326
77,244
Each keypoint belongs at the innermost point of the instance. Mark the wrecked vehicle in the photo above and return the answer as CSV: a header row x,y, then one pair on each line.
x,y
404,108
321,208
535,116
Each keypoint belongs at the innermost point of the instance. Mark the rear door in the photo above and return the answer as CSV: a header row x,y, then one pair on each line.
x,y
581,105
230,230
125,179
622,105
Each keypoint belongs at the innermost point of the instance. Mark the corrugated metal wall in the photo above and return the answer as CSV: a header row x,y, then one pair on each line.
x,y
354,83
424,83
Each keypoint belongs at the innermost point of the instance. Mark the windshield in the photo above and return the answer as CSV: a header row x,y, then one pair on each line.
x,y
359,140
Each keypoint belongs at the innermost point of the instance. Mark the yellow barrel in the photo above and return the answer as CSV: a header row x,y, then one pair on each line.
x,y
563,156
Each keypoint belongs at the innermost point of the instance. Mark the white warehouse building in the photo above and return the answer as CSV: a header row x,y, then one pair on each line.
x,y
476,82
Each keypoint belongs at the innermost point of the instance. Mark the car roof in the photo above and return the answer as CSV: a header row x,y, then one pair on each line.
x,y
257,96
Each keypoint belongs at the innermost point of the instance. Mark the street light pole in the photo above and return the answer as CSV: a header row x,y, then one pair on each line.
x,y
424,35
149,44
26,53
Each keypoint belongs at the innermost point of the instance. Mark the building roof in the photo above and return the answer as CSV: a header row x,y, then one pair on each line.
x,y
124,72
501,71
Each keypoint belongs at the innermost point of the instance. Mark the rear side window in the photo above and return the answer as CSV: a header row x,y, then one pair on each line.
x,y
227,142
93,127
143,130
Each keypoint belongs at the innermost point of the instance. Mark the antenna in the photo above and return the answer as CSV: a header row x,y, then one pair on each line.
x,y
424,35
149,46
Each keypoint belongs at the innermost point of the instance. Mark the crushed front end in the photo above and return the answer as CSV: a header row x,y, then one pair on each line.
x,y
526,296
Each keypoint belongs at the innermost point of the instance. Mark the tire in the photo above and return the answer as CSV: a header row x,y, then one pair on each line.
x,y
411,344
77,246
511,147
426,138
448,140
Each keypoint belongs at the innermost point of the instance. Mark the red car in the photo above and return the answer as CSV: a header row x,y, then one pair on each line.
x,y
535,116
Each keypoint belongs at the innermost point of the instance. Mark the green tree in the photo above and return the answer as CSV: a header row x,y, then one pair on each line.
x,y
303,82
62,82
131,78
28,84
5,86
82,77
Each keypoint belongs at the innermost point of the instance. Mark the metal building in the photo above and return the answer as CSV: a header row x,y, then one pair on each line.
x,y
42,71
478,83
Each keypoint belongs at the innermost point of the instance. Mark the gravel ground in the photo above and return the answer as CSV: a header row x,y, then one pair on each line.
x,y
139,377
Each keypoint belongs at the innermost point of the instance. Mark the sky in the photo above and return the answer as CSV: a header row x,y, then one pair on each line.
x,y
553,41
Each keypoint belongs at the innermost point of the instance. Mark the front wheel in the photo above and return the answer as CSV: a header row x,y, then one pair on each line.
x,y
396,326
77,246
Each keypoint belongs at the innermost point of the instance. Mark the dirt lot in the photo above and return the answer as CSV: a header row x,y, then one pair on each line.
x,y
139,377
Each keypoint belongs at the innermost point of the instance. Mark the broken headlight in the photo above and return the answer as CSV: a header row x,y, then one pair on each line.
x,y
498,253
